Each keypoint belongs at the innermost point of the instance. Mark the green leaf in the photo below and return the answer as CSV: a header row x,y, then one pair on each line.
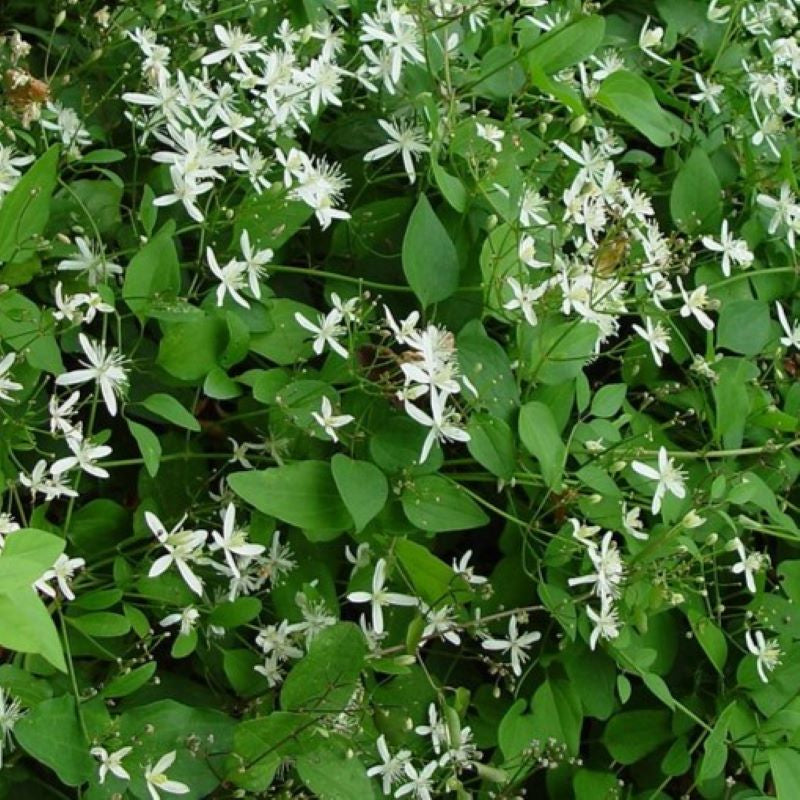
x,y
491,444
333,776
539,434
785,766
487,365
515,731
696,198
23,328
270,219
452,188
556,353
608,399
711,639
261,744
130,682
362,486
50,733
168,408
431,578
190,350
303,494
557,712
430,260
732,401
433,503
632,735
149,446
102,624
26,208
287,342
567,46
236,612
154,274
25,556
630,97
327,676
744,326
590,785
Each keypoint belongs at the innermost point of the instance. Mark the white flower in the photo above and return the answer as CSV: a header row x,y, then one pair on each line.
x,y
708,93
734,251
62,572
235,43
608,566
187,619
84,456
515,645
6,384
523,299
233,540
182,546
584,533
419,783
767,652
606,622
329,421
271,669
92,262
277,640
393,766
492,134
527,253
157,780
444,423
748,565
111,762
232,278
695,303
435,729
185,189
792,338
718,14
103,366
440,622
670,478
657,336
404,138
327,331
464,569
255,262
379,597
10,714
632,522
406,329
785,211
650,38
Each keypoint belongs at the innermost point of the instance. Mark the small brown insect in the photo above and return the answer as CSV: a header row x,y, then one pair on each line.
x,y
23,90
610,253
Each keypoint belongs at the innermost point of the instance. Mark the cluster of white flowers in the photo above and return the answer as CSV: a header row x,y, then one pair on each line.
x,y
246,88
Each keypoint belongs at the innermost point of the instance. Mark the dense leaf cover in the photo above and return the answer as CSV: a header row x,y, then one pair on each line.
x,y
399,399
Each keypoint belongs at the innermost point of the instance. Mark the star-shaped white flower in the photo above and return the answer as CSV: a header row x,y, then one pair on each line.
x,y
379,597
670,478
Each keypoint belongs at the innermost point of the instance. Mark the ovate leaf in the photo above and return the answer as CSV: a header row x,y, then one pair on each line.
x,y
362,486
539,434
433,503
430,261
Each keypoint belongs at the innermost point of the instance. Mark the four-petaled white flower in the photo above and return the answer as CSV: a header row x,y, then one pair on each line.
x,y
734,251
492,134
404,138
514,644
444,423
62,572
608,568
766,651
748,564
157,780
329,421
111,762
657,336
393,767
695,303
103,366
182,547
232,279
379,597
327,331
606,622
419,782
670,478
233,541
